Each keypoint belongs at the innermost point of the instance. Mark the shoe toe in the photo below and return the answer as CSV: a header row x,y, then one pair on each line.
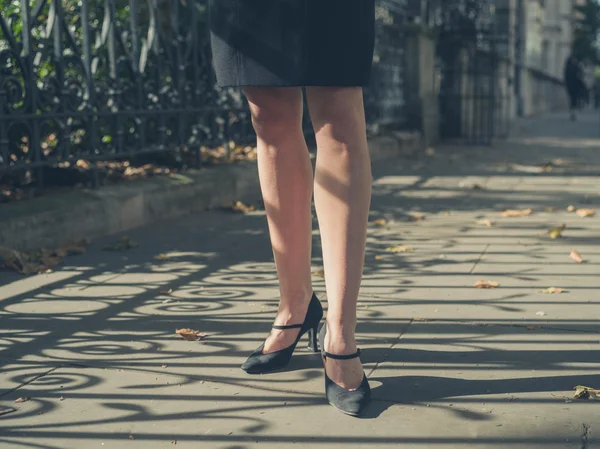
x,y
255,362
351,402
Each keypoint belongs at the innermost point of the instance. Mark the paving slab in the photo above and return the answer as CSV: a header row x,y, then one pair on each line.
x,y
450,365
74,408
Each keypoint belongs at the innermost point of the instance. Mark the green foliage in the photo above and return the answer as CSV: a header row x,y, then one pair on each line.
x,y
586,45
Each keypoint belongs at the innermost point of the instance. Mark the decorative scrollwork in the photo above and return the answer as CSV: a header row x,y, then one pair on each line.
x,y
117,77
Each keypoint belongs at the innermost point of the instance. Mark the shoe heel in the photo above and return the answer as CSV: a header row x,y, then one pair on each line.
x,y
313,345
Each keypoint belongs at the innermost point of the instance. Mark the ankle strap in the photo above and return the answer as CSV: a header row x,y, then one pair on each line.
x,y
291,326
341,357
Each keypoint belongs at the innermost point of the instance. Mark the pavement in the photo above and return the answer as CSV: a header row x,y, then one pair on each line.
x,y
93,345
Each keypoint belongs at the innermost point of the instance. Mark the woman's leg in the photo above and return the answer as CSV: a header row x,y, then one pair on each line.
x,y
342,198
286,182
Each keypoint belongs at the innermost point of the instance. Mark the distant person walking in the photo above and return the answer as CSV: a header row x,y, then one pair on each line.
x,y
573,75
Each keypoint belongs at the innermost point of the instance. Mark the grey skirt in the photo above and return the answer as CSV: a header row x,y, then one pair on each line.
x,y
292,42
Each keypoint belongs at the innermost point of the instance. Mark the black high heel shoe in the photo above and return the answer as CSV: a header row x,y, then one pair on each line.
x,y
350,402
260,363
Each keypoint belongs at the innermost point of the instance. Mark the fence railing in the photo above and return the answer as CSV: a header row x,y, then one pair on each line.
x,y
107,79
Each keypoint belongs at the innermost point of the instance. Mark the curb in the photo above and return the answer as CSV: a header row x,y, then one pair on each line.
x,y
54,220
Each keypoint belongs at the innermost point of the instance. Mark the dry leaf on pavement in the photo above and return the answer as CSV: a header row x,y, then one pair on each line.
x,y
380,222
73,248
582,392
516,213
23,399
576,256
555,233
161,257
379,257
583,213
571,208
552,290
319,273
123,244
238,206
416,216
51,261
486,284
486,222
191,334
399,249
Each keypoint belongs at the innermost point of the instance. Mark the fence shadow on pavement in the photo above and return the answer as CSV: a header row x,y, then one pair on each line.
x,y
430,340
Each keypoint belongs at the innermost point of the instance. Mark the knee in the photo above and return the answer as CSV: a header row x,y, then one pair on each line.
x,y
338,112
276,113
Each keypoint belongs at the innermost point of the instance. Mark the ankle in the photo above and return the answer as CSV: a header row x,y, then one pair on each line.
x,y
340,340
341,331
293,309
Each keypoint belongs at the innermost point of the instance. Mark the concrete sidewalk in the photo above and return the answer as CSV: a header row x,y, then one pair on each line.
x,y
94,346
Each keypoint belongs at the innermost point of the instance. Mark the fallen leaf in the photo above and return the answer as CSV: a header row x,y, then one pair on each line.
x,y
23,399
161,257
319,273
582,392
583,213
166,292
485,222
576,256
552,290
416,216
238,206
380,222
123,244
51,261
164,366
516,213
399,249
379,257
555,233
81,163
486,284
571,208
528,168
191,334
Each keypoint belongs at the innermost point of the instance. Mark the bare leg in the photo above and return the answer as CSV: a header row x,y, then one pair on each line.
x,y
342,198
286,182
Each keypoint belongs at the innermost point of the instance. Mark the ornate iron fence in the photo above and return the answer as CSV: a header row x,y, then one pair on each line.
x,y
384,99
107,79
474,76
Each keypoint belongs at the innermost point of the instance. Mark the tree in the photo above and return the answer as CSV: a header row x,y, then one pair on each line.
x,y
586,45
